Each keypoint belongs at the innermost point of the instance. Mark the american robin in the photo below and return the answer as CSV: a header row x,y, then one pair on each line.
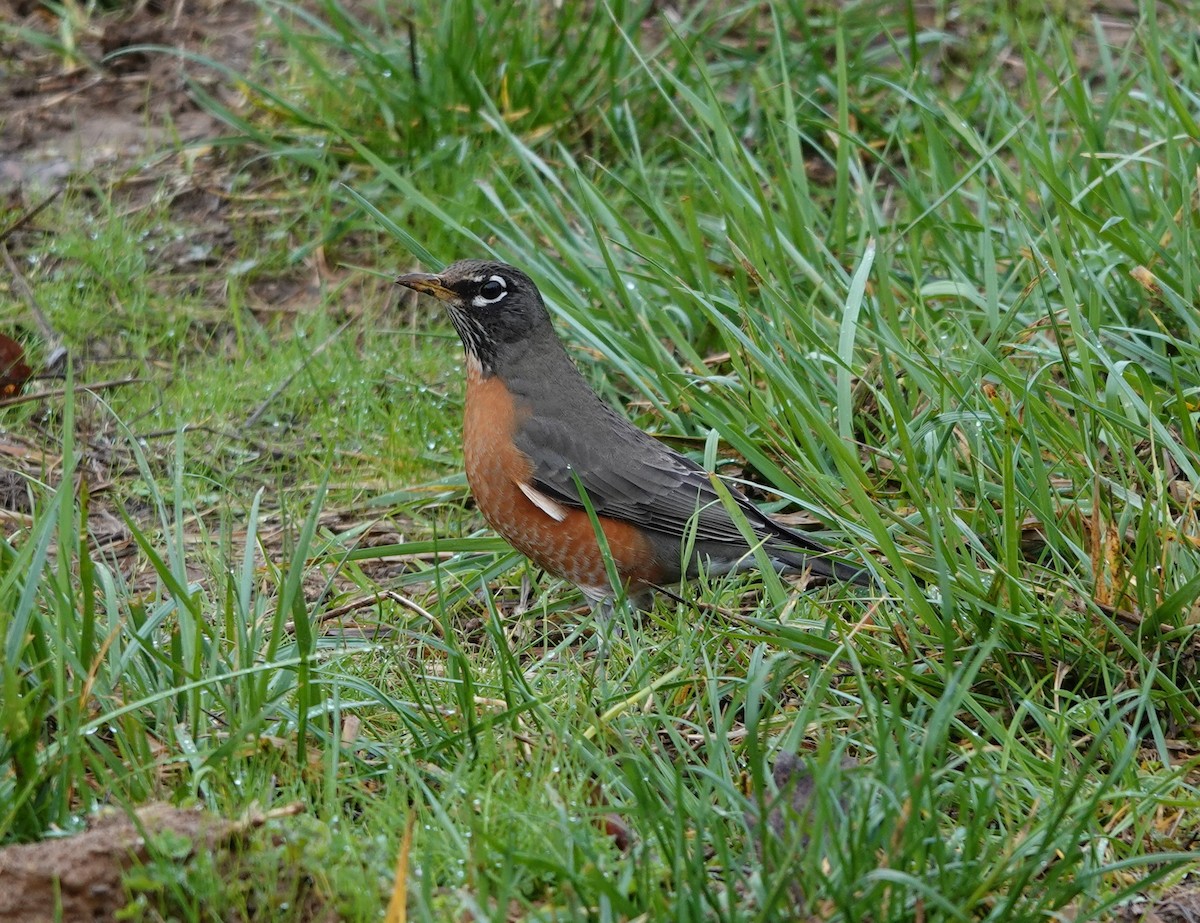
x,y
533,425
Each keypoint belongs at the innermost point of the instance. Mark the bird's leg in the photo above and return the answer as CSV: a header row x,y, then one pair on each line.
x,y
603,606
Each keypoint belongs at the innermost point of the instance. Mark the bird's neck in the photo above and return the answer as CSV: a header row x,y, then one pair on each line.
x,y
537,367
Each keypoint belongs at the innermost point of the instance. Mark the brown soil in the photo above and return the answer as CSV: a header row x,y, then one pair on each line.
x,y
107,106
82,874
1178,904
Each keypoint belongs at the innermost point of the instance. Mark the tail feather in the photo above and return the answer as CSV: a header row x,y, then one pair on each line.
x,y
807,554
821,565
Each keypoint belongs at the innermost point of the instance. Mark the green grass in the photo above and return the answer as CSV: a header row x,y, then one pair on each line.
x,y
947,307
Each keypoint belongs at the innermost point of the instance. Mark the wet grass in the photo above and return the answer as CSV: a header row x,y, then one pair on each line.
x,y
930,281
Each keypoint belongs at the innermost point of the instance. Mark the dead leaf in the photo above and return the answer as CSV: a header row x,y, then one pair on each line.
x,y
13,370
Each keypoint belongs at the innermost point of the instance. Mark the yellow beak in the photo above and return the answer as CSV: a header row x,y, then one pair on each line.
x,y
427,283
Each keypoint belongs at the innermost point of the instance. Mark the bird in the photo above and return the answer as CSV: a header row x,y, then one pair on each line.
x,y
534,431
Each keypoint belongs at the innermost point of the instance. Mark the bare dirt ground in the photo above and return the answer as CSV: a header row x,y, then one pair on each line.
x,y
79,877
112,106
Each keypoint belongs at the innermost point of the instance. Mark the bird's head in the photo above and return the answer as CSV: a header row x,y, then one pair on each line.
x,y
492,306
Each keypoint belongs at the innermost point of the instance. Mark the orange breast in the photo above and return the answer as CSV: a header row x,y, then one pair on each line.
x,y
495,471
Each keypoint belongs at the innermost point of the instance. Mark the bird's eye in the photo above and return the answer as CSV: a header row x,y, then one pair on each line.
x,y
493,290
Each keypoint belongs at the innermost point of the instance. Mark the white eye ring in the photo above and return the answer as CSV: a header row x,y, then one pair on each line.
x,y
491,285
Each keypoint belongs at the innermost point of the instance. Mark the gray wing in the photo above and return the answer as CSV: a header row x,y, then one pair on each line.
x,y
639,480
